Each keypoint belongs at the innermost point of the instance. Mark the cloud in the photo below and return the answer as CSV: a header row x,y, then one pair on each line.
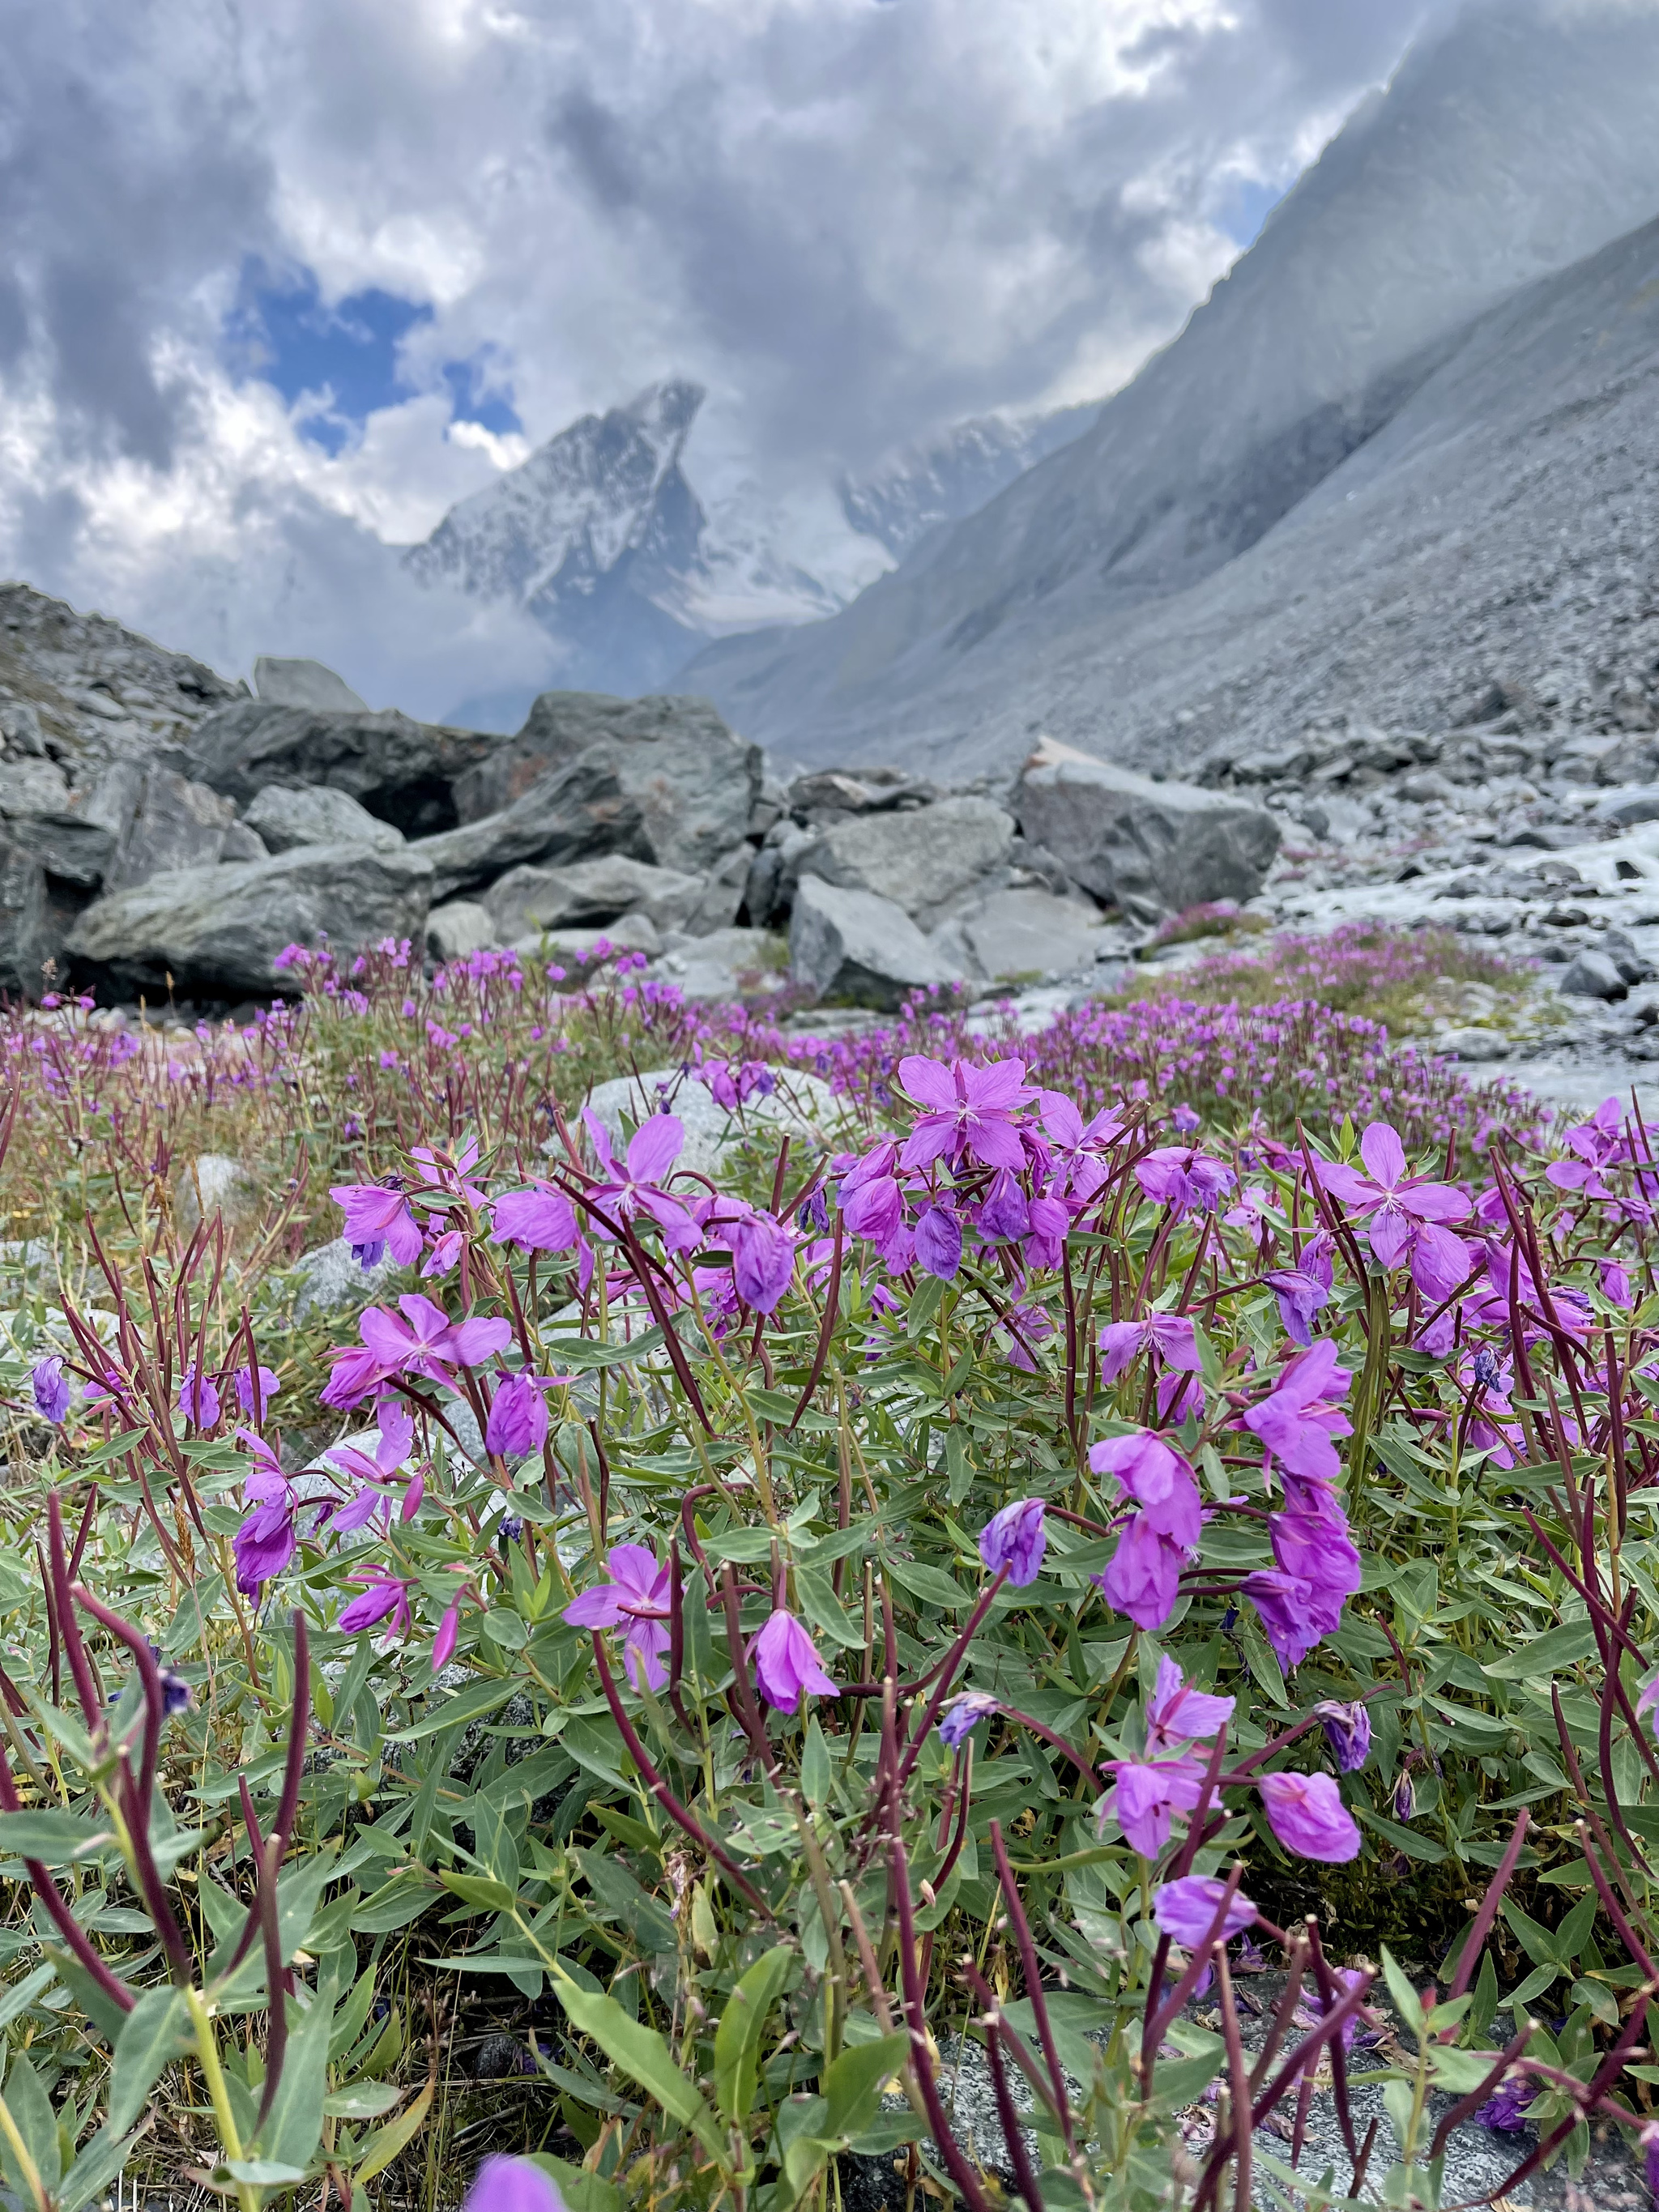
x,y
440,222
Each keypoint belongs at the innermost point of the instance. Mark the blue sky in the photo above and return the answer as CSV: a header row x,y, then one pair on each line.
x,y
335,365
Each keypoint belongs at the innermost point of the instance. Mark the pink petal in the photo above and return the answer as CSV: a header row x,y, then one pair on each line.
x,y
471,1342
929,1082
1384,1154
1000,1086
655,1147
1348,1184
1435,1201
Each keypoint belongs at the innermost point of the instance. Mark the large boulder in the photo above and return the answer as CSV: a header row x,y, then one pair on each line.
x,y
176,824
573,813
402,771
694,783
459,929
922,861
1024,933
800,1106
527,899
853,945
285,816
1152,849
305,684
217,930
24,929
724,965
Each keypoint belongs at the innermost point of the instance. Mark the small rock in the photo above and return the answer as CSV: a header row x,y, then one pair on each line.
x,y
216,1183
459,928
800,1105
1474,1044
287,814
329,1278
305,684
589,894
1592,976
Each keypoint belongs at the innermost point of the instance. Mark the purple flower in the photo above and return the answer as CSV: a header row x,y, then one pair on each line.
x,y
384,1593
1296,1420
1404,1211
1160,1481
636,1592
426,1342
517,1416
1080,1148
1144,1798
198,1399
374,1218
1016,1539
541,1219
269,1386
1315,1549
963,1715
1347,1731
1615,1283
1300,1295
970,1111
1649,2140
1648,1702
175,1692
1186,1910
1142,1579
51,1390
939,1242
1284,1603
1404,1798
1175,1714
787,1663
763,1250
1004,1211
1171,1338
1307,1814
1184,1179
513,2185
1045,1240
1503,2111
632,1187
870,1199
263,1544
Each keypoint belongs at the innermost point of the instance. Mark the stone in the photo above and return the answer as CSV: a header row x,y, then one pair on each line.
x,y
1150,847
922,861
25,935
1627,807
1023,933
572,813
330,1279
1592,976
725,965
526,899
32,787
853,944
216,1183
1427,787
1474,1044
242,843
287,814
20,726
217,930
801,1106
176,824
722,894
404,772
455,930
304,684
1617,947
629,932
691,782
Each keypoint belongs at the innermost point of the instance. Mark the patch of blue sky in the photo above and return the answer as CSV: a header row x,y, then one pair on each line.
x,y
336,365
1244,207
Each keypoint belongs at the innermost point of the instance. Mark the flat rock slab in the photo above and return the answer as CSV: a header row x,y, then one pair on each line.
x,y
803,1107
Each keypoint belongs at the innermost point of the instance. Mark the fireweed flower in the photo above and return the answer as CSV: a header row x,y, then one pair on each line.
x,y
384,1593
376,1218
1305,1289
425,1342
1050,1221
632,1187
1307,1814
517,1415
1315,1550
51,1390
762,1249
1283,1602
1081,1149
1016,1539
268,1387
1615,1283
1405,1212
1144,1799
963,1715
264,1543
636,1592
541,1219
1648,1702
513,2185
968,1112
787,1664
198,1399
939,1242
1175,1714
1186,1910
1142,1580
1184,1179
1296,1419
1004,1211
445,1255
1504,2110
1171,1338
1347,1731
872,1203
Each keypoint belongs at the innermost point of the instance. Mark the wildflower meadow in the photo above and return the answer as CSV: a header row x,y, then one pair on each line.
x,y
1067,1521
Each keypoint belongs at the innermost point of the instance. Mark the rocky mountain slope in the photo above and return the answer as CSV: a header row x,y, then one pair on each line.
x,y
1514,146
942,478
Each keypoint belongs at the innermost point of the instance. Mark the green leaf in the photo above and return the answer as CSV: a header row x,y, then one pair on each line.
x,y
1406,2001
470,1704
737,2040
929,1584
262,2173
154,2035
1547,1655
294,2125
393,1904
30,2107
853,2086
817,1777
59,1839
824,1609
582,1352
365,2101
478,1890
1402,1839
18,1996
384,2145
1259,1657
97,2165
642,2055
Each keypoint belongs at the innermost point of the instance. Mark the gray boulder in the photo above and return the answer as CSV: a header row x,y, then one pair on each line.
x,y
305,684
32,787
801,1106
724,965
853,945
402,771
573,813
693,784
1628,807
722,893
176,824
330,1278
1023,932
527,899
75,840
1592,976
460,927
1152,849
216,1182
25,928
922,861
287,814
217,930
